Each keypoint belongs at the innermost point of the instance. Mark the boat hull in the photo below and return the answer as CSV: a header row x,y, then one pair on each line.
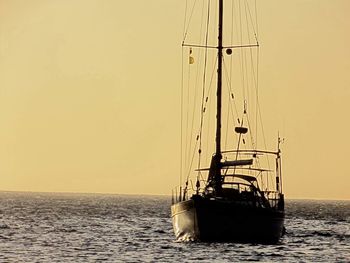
x,y
219,220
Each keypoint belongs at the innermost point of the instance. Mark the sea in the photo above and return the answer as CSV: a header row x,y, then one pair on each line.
x,y
56,227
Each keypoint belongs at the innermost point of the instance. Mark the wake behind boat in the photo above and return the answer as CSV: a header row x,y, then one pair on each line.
x,y
241,198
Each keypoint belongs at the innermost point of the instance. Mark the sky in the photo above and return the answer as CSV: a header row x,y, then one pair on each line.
x,y
90,94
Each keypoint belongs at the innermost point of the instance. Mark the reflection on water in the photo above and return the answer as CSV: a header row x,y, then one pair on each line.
x,y
36,227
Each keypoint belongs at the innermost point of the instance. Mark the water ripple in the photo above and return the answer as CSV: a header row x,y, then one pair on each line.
x,y
37,227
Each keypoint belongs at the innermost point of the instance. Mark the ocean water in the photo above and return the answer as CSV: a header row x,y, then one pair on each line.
x,y
41,227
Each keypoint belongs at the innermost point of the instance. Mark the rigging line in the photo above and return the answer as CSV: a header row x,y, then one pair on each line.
x,y
251,135
251,20
181,117
191,163
232,21
202,24
251,65
199,46
246,86
208,136
189,20
193,114
245,54
203,89
206,103
185,20
187,147
255,80
229,87
241,50
189,133
235,19
228,110
255,83
224,47
229,105
211,78
237,152
256,20
240,53
194,102
263,133
227,124
196,84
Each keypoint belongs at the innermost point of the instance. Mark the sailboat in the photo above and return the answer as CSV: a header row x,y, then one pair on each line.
x,y
240,200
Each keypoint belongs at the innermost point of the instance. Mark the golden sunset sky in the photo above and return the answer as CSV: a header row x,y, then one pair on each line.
x,y
90,94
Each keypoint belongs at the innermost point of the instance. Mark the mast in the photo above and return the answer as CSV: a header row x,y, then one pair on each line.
x,y
215,178
219,83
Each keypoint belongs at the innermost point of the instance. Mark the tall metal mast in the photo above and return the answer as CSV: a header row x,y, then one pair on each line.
x,y
215,178
219,83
